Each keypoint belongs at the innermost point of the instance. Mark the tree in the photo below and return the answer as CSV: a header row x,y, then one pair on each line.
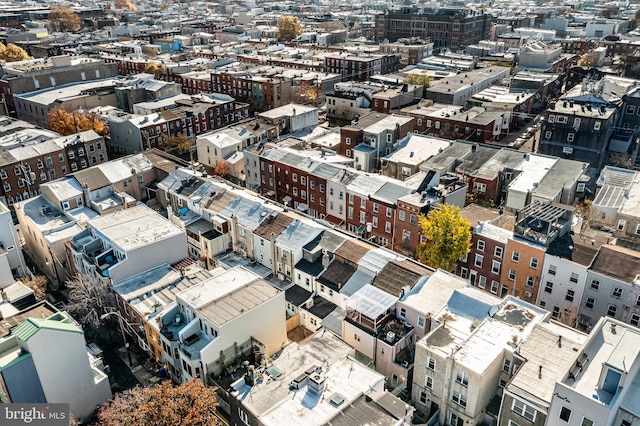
x,y
68,123
124,4
188,404
64,19
222,169
309,94
89,299
448,237
37,283
13,53
289,27
418,78
157,69
178,144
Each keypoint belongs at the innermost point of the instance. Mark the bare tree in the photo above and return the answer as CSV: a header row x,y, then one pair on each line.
x,y
89,298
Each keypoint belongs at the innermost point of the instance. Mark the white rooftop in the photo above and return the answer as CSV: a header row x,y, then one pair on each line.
x,y
610,343
276,405
431,295
532,169
418,149
218,287
134,227
371,301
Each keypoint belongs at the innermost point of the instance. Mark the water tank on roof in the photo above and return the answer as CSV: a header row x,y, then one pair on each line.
x,y
391,336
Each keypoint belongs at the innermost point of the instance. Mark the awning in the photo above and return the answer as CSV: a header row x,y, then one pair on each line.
x,y
334,220
584,319
360,230
270,194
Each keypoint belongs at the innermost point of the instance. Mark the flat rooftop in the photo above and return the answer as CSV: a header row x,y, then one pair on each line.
x,y
234,304
134,227
612,344
275,404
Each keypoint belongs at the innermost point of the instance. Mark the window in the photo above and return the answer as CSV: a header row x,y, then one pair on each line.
x,y
421,322
586,422
480,187
548,134
570,137
630,109
590,303
494,286
552,269
515,256
506,365
462,378
478,261
530,280
463,273
403,313
456,420
497,252
533,264
387,227
401,215
621,224
495,267
635,320
480,245
512,274
523,410
423,398
617,292
569,296
431,364
3,174
363,217
595,284
612,310
413,219
428,382
7,187
459,399
243,416
565,414
375,207
548,287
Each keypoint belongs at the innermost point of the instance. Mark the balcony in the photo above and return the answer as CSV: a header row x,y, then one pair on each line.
x,y
192,345
394,331
542,223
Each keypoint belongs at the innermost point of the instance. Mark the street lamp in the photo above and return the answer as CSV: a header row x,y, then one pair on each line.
x,y
124,337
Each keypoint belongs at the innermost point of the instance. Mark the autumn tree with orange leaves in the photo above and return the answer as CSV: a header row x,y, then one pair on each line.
x,y
124,4
62,18
68,123
222,169
188,404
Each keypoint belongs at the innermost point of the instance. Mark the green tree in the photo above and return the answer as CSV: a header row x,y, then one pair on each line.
x,y
418,78
448,237
62,18
189,404
289,27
